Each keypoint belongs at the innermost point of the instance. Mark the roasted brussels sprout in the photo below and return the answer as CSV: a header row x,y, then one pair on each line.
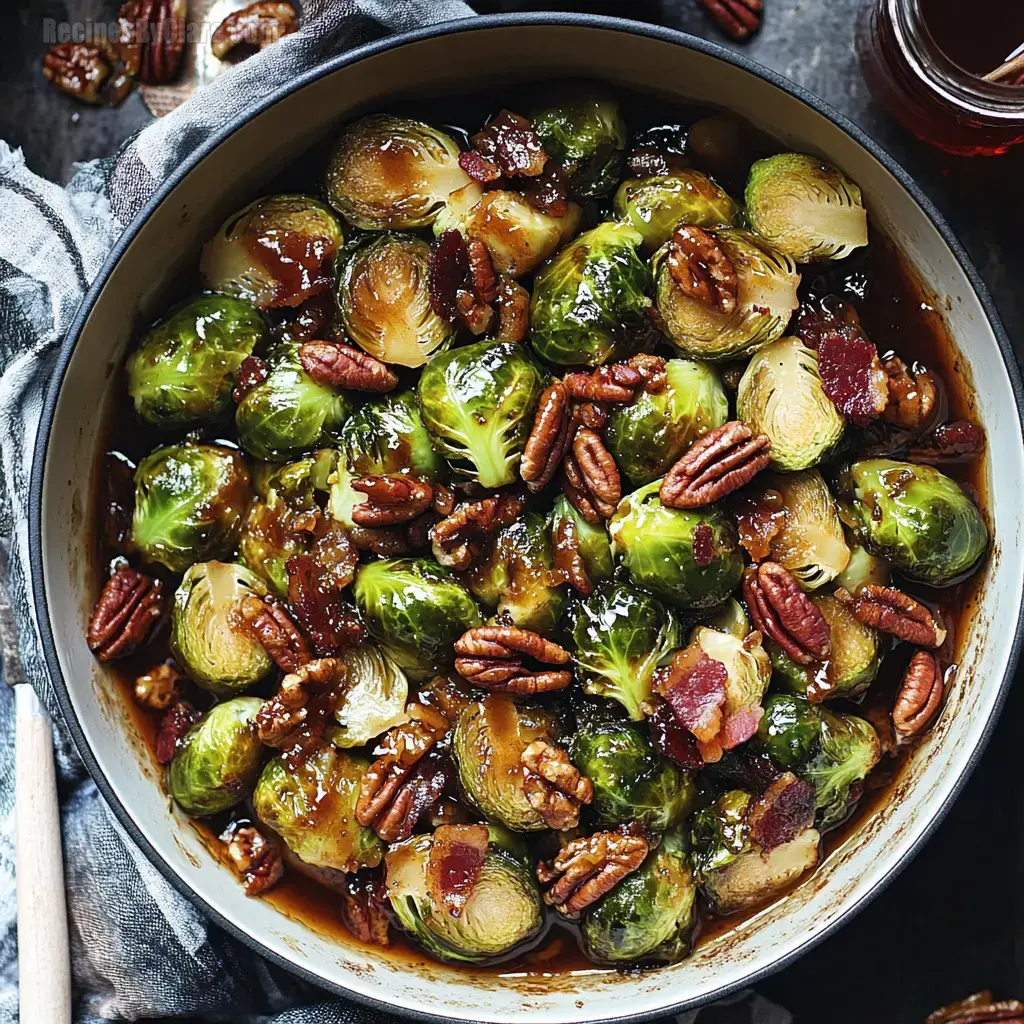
x,y
729,617
516,576
393,172
648,435
590,302
619,637
806,208
416,611
374,698
766,300
781,395
206,638
487,744
190,500
312,807
219,759
594,547
863,569
650,915
689,557
733,871
183,371
503,909
278,251
385,302
789,729
478,404
586,134
918,519
631,782
655,206
288,413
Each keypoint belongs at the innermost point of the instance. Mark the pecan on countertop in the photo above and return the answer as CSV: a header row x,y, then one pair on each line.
x,y
337,365
259,25
160,36
554,786
268,621
548,440
585,869
738,19
920,696
492,657
160,687
701,269
891,611
459,539
78,70
979,1008
781,610
256,858
128,608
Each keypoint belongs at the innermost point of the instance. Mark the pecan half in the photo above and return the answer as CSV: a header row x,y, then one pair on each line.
x,y
364,909
947,443
548,440
293,720
77,69
269,622
568,560
130,605
252,372
259,25
255,857
782,611
919,698
510,142
589,414
701,269
719,463
616,382
979,1008
341,366
159,35
160,687
177,721
585,869
481,272
912,394
591,478
891,611
669,737
738,19
459,539
493,657
513,302
554,786
391,499
479,167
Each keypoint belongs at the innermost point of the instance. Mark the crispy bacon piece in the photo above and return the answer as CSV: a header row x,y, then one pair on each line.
x,y
695,690
512,144
449,265
669,737
785,810
454,864
852,374
703,545
740,727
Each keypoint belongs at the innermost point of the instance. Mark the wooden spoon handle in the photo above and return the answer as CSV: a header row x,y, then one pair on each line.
x,y
44,969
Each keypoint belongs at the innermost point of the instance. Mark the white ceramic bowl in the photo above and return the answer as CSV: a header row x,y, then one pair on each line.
x,y
165,241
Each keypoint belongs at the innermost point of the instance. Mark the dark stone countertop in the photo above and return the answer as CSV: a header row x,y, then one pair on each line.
x,y
949,924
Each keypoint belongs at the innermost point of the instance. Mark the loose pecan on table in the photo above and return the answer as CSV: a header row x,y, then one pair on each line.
x,y
293,719
783,612
493,657
259,25
78,70
585,869
919,698
130,605
891,611
701,269
269,622
391,500
717,464
341,366
738,19
591,479
912,394
979,1008
177,721
554,786
548,440
403,782
568,560
252,372
365,909
160,687
255,857
459,539
158,38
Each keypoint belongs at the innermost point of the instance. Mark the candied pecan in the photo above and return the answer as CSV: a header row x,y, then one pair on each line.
x,y
160,687
591,474
443,502
717,464
342,366
979,1008
891,611
919,698
386,541
459,539
784,810
269,622
446,271
479,167
512,144
651,369
912,394
548,440
701,269
252,372
259,25
616,382
130,605
590,414
364,909
782,611
77,69
160,33
473,315
492,657
281,715
513,302
568,561
177,721
549,191
669,737
391,499
255,857
481,272
947,443
585,869
738,19
554,786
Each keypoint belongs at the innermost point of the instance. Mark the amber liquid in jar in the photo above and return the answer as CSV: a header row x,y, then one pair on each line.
x,y
924,60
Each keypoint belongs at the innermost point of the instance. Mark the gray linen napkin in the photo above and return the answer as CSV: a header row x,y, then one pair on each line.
x,y
139,949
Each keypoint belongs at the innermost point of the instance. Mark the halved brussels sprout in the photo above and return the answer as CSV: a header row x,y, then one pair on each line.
x,y
190,500
504,907
781,395
806,208
374,698
275,252
416,611
183,371
768,281
594,547
789,729
586,134
619,637
915,517
312,807
656,206
631,782
590,302
650,915
289,413
206,638
690,557
478,404
863,569
393,172
516,576
385,302
487,744
219,759
811,543
648,435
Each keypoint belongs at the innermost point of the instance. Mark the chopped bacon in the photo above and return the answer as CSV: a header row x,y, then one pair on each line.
x,y
785,810
695,690
670,739
852,375
549,191
454,865
448,269
741,726
703,545
479,167
177,721
512,144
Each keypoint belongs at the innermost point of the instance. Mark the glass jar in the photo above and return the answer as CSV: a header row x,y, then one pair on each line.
x,y
929,94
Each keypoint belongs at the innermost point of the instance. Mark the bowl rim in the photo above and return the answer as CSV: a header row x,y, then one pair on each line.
x,y
351,57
